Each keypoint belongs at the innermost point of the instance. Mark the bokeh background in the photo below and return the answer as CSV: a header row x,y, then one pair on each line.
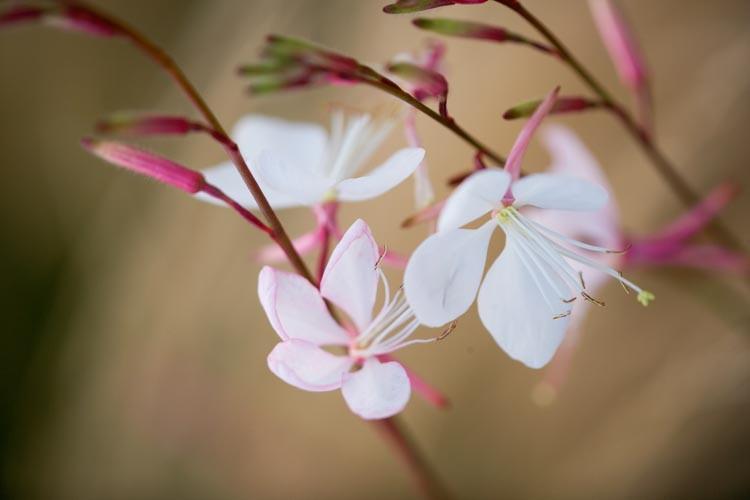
x,y
132,353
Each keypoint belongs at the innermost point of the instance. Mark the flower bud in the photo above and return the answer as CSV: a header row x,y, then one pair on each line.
x,y
569,104
135,124
407,6
146,163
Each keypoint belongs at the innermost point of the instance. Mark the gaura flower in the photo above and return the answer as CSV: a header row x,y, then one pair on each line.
x,y
372,384
300,164
670,246
527,296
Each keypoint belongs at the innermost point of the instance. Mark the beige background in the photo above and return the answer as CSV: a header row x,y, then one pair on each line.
x,y
133,348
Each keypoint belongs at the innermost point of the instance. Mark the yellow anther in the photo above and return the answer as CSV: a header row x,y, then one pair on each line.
x,y
645,297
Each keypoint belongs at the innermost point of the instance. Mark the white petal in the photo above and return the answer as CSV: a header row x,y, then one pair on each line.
x,y
515,311
350,279
306,366
444,272
378,390
476,196
557,191
294,180
296,143
570,157
383,178
296,310
225,177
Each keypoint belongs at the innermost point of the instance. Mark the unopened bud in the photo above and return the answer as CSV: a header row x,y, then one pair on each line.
x,y
425,83
569,104
407,6
146,163
135,124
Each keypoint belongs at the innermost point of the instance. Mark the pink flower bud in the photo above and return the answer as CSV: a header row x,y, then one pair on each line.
x,y
20,14
620,43
134,124
406,6
566,104
517,152
148,164
476,31
82,20
425,83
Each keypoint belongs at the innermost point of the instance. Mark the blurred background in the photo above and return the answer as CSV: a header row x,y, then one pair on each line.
x,y
132,354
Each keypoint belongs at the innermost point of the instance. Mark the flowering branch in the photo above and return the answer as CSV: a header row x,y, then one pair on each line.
x,y
80,17
291,63
663,165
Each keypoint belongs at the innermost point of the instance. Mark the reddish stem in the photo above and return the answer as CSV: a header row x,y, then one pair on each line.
x,y
424,478
663,166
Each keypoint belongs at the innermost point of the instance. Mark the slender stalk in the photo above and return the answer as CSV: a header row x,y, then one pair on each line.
x,y
406,449
428,483
161,58
379,81
663,165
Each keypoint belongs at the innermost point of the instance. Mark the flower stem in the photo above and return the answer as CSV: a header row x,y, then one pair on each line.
x,y
375,79
161,58
392,430
406,449
663,165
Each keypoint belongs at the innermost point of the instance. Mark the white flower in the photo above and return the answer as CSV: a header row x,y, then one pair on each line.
x,y
527,296
373,386
300,164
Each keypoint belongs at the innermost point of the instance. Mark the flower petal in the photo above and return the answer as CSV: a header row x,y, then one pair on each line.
x,y
306,366
225,177
570,157
474,197
294,180
378,390
296,310
444,272
383,178
350,279
296,143
515,311
557,191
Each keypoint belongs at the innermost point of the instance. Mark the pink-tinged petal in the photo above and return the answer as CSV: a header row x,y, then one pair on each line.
x,y
350,279
699,216
393,259
422,387
303,244
620,43
570,157
378,390
444,273
226,177
480,193
517,152
295,181
296,310
146,163
295,143
560,192
393,172
518,307
306,366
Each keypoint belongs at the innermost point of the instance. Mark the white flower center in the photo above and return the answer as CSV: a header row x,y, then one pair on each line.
x,y
390,329
539,249
351,143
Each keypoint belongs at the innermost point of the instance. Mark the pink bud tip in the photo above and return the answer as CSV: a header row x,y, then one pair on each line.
x,y
80,19
145,163
620,43
20,14
146,125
